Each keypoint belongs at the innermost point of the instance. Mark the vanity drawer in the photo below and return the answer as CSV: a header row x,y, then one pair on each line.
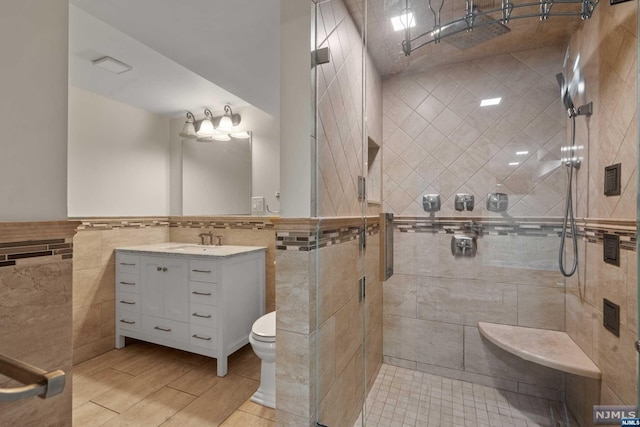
x,y
129,283
127,301
126,263
203,293
164,328
203,315
128,320
201,336
203,271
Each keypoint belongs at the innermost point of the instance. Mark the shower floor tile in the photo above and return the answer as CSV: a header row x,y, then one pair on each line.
x,y
402,397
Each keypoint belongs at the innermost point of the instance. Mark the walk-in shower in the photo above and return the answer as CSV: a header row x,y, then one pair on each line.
x,y
572,162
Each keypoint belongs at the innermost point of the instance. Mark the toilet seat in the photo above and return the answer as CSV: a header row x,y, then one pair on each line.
x,y
264,329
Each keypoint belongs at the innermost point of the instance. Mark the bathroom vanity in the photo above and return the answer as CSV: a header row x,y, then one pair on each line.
x,y
201,299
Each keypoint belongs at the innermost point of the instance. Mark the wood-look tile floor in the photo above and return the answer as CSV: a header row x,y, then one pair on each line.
x,y
149,385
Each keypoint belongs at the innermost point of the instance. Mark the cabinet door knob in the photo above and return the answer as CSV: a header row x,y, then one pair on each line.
x,y
164,268
159,268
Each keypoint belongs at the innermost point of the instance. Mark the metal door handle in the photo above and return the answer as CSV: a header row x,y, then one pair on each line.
x,y
204,316
128,302
37,382
201,271
128,283
128,322
127,263
201,293
160,328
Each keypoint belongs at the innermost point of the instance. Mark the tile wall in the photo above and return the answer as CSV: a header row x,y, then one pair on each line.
x,y
332,290
35,313
340,108
433,302
437,138
607,45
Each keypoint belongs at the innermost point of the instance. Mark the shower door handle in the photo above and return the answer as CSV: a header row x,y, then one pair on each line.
x,y
37,381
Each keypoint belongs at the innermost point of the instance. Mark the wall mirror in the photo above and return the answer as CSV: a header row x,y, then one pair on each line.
x,y
216,177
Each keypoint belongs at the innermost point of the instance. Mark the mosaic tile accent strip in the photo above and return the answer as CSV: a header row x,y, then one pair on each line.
x,y
115,223
595,234
307,240
489,227
225,223
552,227
18,253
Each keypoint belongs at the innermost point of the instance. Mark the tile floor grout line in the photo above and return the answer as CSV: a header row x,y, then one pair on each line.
x,y
102,406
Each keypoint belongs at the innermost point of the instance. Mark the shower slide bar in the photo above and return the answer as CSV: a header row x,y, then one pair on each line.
x,y
36,381
469,22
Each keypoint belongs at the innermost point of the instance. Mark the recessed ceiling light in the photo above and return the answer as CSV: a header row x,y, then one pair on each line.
x,y
492,101
521,153
113,65
403,21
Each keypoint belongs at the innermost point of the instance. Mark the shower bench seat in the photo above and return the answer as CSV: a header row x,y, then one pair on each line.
x,y
553,349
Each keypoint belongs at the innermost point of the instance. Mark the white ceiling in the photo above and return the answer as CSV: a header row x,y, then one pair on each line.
x,y
186,54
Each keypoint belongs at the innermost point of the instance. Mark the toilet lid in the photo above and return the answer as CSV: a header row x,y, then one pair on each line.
x,y
265,326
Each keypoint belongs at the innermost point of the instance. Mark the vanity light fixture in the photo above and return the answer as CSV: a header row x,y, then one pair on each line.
x,y
226,121
206,125
189,129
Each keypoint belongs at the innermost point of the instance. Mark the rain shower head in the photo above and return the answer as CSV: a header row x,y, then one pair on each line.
x,y
484,29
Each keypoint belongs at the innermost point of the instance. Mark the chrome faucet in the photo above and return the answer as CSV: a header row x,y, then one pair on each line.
x,y
204,235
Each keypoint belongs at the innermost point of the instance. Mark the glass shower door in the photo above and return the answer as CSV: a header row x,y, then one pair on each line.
x,y
340,207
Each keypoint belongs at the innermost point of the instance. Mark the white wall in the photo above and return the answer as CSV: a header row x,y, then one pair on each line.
x,y
118,158
265,168
295,108
33,114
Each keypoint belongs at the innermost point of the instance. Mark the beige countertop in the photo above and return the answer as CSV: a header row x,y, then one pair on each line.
x,y
190,249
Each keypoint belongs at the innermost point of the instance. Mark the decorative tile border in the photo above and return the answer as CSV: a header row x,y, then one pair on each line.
x,y
229,223
591,231
116,223
19,253
307,240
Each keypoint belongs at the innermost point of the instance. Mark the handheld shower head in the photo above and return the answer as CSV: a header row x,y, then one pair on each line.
x,y
564,92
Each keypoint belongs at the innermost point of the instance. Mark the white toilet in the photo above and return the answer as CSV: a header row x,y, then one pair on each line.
x,y
263,342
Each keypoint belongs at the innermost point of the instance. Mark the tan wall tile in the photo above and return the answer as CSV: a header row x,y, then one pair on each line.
x,y
295,377
618,360
93,286
540,307
295,304
87,250
424,341
466,302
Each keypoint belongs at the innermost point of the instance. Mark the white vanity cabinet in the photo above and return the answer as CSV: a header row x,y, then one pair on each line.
x,y
182,298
